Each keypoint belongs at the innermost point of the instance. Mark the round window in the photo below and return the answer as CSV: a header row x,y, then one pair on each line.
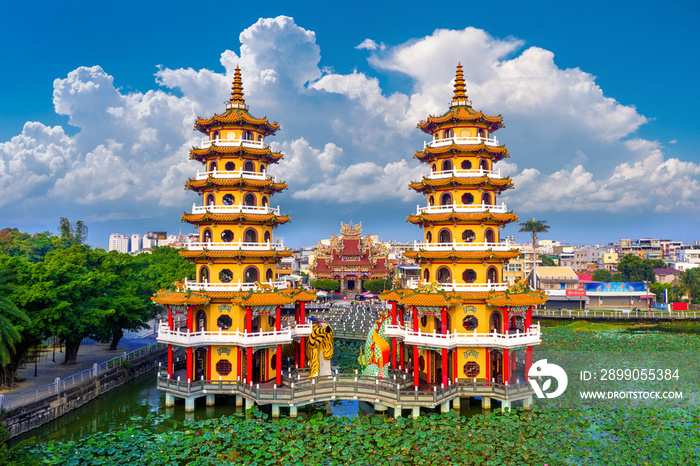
x,y
467,199
224,322
469,276
230,166
225,276
470,323
229,199
466,165
227,236
468,236
223,367
471,369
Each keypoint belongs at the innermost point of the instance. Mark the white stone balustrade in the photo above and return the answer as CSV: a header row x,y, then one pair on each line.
x,y
228,175
232,143
226,337
454,286
453,340
458,246
234,246
237,286
460,142
235,208
439,175
466,208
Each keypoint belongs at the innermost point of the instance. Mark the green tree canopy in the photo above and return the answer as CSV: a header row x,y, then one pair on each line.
x,y
687,285
547,261
602,275
636,269
327,284
9,316
377,284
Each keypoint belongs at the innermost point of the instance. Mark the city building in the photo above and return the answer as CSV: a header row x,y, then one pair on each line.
x,y
562,285
666,275
135,243
229,317
351,259
118,242
461,321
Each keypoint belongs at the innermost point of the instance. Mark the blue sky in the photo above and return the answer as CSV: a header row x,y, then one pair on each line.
x,y
598,99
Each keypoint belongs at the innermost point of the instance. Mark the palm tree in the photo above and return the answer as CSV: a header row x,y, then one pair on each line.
x,y
688,284
534,227
8,312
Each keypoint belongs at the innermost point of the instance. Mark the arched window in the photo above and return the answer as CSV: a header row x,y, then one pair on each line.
x,y
469,276
446,199
448,133
486,199
446,165
426,275
484,165
250,275
214,135
227,236
211,200
467,199
433,168
249,166
264,201
212,167
200,321
466,165
431,200
247,135
206,236
468,236
269,275
444,275
481,133
262,168
445,236
489,236
228,199
204,274
428,237
251,236
249,199
492,275
230,166
268,237
259,137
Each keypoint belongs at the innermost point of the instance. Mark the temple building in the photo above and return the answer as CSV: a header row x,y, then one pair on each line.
x,y
351,259
229,317
462,320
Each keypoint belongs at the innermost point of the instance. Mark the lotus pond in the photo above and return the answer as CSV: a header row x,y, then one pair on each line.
x,y
634,435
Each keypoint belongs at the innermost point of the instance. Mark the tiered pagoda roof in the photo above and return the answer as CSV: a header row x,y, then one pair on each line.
x,y
432,153
203,154
271,219
427,185
241,182
421,219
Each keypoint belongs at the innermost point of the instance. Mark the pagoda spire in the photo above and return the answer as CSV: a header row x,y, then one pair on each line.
x,y
460,96
236,100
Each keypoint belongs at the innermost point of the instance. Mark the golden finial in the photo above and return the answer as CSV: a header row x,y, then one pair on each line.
x,y
460,96
236,100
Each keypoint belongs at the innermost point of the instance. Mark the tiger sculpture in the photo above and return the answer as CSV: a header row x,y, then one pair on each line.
x,y
319,349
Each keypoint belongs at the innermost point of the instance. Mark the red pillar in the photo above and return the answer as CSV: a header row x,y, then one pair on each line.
x,y
455,371
528,318
416,367
190,319
170,318
402,364
238,361
278,360
488,366
249,365
506,366
170,361
393,340
302,342
445,363
528,362
208,363
249,320
506,321
189,364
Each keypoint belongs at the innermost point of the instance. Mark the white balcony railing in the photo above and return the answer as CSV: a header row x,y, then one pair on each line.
x,y
474,339
454,286
463,174
468,208
237,286
460,142
227,175
504,246
234,246
226,337
232,143
234,209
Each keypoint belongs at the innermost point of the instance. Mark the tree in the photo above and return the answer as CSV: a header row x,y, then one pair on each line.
x,y
618,277
9,313
72,235
602,275
547,261
658,289
377,284
327,284
534,227
636,269
687,285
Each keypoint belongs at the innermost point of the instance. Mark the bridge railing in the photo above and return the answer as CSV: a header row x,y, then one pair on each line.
x,y
344,386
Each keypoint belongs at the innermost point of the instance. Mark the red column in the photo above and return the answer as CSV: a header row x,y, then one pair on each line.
x,y
249,320
506,322
302,342
528,362
506,366
170,318
189,365
488,366
402,365
190,319
238,361
416,367
455,371
393,340
209,363
248,365
278,360
528,318
170,361
445,363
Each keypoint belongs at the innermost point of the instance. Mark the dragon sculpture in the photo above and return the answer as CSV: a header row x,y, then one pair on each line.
x,y
375,358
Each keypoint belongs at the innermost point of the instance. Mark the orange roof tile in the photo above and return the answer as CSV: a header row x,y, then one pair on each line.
x,y
233,254
459,216
180,298
215,151
461,113
236,116
531,298
299,294
233,182
256,298
251,218
428,185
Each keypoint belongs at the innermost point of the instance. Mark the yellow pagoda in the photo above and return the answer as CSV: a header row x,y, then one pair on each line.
x,y
462,321
229,317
